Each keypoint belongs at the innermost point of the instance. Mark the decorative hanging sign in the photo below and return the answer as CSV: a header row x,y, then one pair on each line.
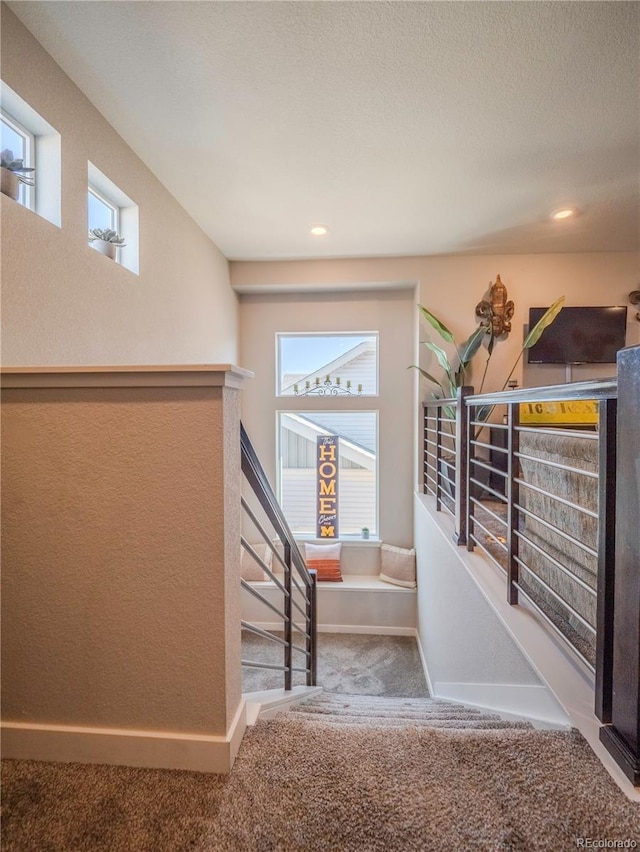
x,y
327,468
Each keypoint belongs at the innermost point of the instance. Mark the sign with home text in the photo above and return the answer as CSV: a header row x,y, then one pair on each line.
x,y
327,479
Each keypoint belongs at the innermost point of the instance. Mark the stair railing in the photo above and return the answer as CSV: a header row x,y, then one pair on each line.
x,y
569,575
296,586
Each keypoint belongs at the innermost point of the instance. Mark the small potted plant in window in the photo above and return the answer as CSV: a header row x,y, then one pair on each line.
x,y
13,174
106,241
365,532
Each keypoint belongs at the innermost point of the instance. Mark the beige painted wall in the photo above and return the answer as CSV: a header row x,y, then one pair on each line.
x,y
391,313
451,286
301,295
63,303
121,523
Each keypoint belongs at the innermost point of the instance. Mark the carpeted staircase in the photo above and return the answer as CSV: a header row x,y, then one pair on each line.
x,y
397,712
338,773
356,773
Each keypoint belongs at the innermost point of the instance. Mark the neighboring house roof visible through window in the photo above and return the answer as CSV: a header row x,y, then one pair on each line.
x,y
358,365
310,429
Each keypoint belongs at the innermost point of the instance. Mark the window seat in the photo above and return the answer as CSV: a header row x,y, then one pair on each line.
x,y
362,603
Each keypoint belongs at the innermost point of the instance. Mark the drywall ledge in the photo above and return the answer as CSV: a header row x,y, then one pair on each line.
x,y
145,375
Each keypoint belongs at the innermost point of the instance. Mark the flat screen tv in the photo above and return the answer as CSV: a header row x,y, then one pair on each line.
x,y
580,336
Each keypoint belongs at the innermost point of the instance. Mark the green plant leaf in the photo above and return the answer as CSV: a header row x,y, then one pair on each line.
x,y
483,412
544,322
427,376
443,360
536,332
440,327
471,345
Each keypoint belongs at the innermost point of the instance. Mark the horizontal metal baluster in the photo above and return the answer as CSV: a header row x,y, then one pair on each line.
x,y
486,509
490,534
558,597
557,564
262,564
559,433
245,585
484,487
256,665
260,632
592,474
557,530
555,629
485,551
486,466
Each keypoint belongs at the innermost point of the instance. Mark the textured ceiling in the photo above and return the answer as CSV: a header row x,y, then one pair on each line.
x,y
406,127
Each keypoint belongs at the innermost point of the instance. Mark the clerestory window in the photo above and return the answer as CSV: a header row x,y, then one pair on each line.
x,y
18,149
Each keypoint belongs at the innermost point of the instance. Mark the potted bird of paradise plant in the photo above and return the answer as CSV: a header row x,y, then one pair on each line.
x,y
455,373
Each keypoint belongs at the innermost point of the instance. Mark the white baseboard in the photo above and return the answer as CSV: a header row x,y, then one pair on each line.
x,y
148,749
533,702
267,703
346,628
423,660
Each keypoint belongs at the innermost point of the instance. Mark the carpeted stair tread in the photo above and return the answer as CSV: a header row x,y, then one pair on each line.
x,y
379,700
391,707
396,722
422,707
400,712
387,712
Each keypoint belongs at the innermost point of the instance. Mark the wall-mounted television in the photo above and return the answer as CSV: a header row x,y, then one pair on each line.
x,y
585,335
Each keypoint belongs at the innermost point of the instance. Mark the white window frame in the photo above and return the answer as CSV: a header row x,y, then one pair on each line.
x,y
115,210
127,219
283,334
313,403
27,193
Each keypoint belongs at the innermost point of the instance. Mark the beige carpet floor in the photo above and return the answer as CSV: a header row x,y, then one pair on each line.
x,y
356,663
307,782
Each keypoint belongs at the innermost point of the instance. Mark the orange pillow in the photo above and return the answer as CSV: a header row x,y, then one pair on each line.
x,y
325,560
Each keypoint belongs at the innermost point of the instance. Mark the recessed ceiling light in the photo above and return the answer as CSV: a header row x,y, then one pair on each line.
x,y
563,213
319,230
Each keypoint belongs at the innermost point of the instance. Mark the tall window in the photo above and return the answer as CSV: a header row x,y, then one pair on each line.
x,y
354,484
20,141
327,373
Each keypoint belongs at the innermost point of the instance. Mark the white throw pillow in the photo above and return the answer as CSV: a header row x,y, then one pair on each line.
x,y
398,566
323,551
250,570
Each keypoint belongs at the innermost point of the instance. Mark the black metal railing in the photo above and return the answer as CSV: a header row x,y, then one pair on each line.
x,y
294,605
517,495
537,501
541,502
